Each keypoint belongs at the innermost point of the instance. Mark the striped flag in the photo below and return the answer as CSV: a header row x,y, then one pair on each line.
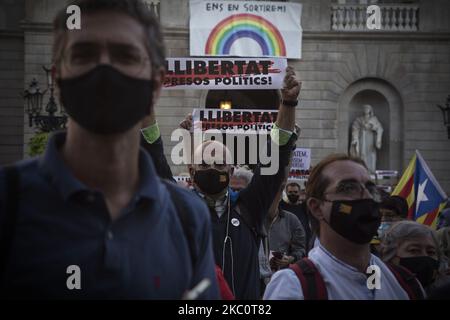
x,y
421,190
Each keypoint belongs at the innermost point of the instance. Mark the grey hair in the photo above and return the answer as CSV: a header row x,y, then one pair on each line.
x,y
401,231
136,9
244,174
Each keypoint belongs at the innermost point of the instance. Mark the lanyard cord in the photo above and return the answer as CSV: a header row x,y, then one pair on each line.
x,y
228,239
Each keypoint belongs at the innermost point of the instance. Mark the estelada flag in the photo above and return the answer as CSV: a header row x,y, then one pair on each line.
x,y
421,190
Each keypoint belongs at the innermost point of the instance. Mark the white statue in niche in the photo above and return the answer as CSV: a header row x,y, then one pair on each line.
x,y
367,132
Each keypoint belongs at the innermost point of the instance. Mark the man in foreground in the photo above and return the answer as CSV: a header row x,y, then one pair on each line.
x,y
91,219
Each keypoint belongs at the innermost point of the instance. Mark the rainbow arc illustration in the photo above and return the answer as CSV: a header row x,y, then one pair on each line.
x,y
240,26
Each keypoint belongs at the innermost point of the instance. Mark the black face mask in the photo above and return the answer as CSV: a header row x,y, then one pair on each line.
x,y
211,181
105,101
355,220
424,267
293,198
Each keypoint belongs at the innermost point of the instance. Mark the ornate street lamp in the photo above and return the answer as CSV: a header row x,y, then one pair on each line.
x,y
446,114
33,96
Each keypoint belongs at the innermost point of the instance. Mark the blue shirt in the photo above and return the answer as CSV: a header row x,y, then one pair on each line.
x,y
141,255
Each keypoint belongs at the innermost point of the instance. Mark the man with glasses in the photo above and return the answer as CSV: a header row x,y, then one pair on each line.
x,y
91,219
343,203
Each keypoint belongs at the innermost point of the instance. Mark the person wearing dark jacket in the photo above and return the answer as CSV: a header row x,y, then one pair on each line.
x,y
151,141
296,204
237,221
286,235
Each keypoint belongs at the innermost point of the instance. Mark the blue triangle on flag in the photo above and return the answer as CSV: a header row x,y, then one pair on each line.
x,y
429,194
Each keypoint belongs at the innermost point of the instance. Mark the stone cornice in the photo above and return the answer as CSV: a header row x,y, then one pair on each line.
x,y
377,36
11,34
307,35
333,35
28,26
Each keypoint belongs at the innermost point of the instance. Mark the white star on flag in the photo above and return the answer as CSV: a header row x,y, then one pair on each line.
x,y
421,196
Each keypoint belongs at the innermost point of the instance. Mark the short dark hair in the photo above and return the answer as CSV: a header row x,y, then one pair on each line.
x,y
293,184
317,182
133,8
397,204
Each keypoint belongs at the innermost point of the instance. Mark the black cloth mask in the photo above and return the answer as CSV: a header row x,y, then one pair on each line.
x,y
293,198
106,101
424,267
211,181
355,220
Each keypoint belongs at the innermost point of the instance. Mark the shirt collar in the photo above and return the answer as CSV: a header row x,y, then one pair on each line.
x,y
56,170
219,205
220,201
148,183
53,166
332,260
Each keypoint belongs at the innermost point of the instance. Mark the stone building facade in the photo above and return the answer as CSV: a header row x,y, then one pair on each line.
x,y
403,71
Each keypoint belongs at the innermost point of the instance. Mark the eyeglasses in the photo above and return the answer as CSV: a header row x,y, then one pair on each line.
x,y
83,57
355,190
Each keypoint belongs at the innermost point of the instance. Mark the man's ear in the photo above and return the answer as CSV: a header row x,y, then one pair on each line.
x,y
315,208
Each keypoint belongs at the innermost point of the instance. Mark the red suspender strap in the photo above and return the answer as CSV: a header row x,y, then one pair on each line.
x,y
313,286
304,284
320,284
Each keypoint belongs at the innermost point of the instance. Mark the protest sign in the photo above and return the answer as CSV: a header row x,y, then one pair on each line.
x,y
248,29
236,121
204,73
386,174
386,179
184,178
301,159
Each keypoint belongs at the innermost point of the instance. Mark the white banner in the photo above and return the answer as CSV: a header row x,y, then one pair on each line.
x,y
248,29
301,159
246,73
234,121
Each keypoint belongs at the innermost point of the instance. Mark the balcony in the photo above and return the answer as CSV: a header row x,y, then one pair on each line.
x,y
394,18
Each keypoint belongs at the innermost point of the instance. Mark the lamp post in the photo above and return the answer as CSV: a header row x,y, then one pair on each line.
x,y
446,114
34,98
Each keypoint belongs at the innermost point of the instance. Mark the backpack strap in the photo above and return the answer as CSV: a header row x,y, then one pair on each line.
x,y
184,219
311,280
407,281
8,225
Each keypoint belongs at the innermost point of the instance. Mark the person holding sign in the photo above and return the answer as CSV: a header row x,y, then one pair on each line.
x,y
238,221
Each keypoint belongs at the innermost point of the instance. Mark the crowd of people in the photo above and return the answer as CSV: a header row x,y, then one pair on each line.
x,y
103,198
